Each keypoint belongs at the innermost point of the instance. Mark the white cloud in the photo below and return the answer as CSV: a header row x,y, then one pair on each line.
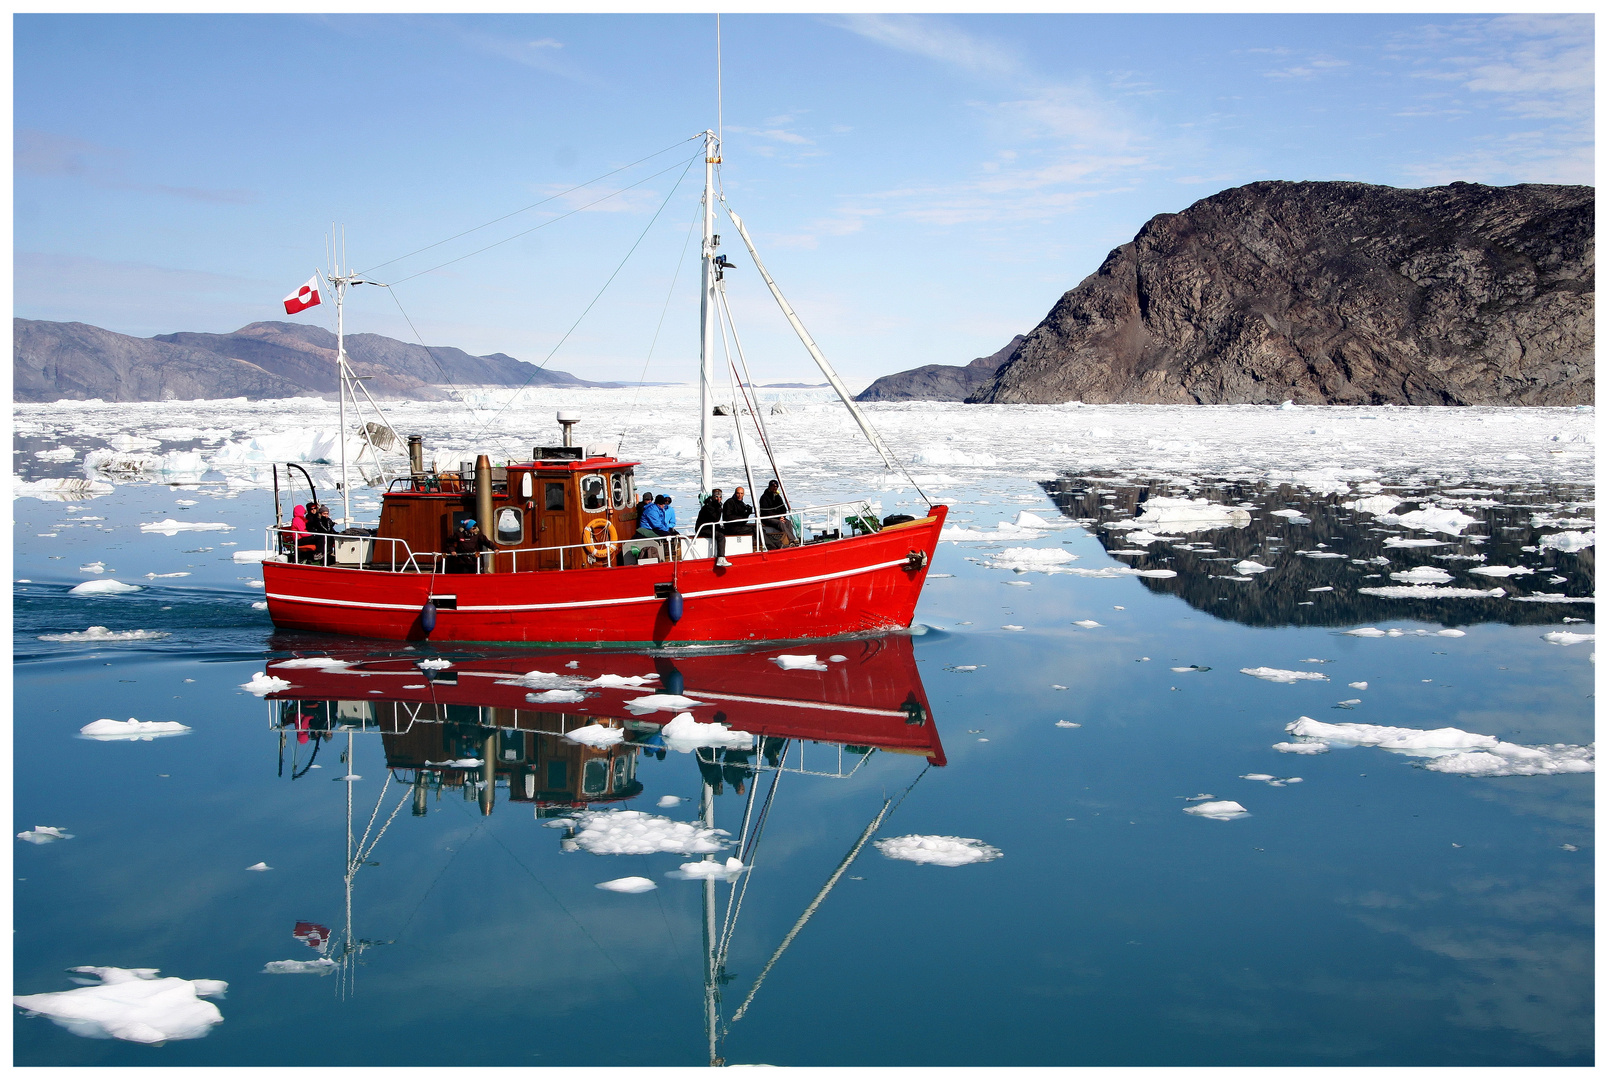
x,y
936,40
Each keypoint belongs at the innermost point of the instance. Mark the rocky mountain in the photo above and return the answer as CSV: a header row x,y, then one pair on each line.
x,y
1331,292
941,382
51,361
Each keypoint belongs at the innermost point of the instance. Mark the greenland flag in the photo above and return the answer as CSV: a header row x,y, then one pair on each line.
x,y
303,298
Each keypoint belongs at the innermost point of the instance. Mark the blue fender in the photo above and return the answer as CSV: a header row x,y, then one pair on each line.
x,y
672,606
427,618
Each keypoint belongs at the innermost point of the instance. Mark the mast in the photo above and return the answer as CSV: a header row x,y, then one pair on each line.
x,y
706,315
706,816
340,364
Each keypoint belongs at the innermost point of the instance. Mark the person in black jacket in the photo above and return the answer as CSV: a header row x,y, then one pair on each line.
x,y
734,516
709,515
773,515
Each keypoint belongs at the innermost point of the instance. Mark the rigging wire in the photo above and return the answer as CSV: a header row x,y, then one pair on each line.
x,y
554,351
543,225
662,313
754,410
532,206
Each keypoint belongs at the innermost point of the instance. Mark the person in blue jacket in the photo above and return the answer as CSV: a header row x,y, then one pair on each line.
x,y
650,521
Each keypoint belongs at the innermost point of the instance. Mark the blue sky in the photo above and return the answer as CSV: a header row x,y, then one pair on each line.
x,y
921,187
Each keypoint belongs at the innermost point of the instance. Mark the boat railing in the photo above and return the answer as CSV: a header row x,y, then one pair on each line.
x,y
361,551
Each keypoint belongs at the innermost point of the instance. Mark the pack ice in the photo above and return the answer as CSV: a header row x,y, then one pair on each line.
x,y
143,730
132,1004
633,832
938,850
685,734
1452,750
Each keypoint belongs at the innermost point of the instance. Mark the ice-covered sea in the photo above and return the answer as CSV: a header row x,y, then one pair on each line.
x,y
1267,740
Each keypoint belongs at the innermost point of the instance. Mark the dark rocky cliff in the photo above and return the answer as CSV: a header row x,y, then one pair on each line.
x,y
941,382
52,360
1331,292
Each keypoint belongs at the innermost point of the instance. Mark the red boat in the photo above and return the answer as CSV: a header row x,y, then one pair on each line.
x,y
551,550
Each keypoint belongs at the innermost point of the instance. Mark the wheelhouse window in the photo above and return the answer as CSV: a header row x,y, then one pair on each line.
x,y
554,497
624,495
595,779
594,493
510,526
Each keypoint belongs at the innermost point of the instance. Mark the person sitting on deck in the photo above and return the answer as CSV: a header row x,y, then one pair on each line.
x,y
734,515
650,520
669,514
773,514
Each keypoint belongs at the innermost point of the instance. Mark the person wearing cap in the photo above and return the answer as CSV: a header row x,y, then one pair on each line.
x,y
466,547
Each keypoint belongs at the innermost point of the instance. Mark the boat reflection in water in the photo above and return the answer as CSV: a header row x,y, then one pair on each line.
x,y
567,737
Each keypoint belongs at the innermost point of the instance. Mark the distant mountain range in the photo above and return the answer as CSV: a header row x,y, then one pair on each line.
x,y
941,382
1322,292
53,360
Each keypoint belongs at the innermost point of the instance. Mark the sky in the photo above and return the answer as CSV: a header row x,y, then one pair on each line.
x,y
921,187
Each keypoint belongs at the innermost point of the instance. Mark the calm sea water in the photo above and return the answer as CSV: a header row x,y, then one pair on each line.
x,y
1376,913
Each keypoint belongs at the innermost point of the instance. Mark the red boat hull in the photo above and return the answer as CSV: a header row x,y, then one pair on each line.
x,y
858,585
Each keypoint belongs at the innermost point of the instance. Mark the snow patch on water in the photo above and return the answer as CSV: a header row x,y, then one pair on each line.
x,y
791,662
1564,637
938,850
323,965
102,634
685,734
1429,592
628,885
1280,675
263,684
1219,810
709,869
663,703
1453,750
1568,541
596,735
144,730
103,587
633,832
133,1004
44,834
170,527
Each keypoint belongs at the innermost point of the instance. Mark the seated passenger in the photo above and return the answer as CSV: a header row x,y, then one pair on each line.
x,y
669,513
708,524
734,516
773,514
650,520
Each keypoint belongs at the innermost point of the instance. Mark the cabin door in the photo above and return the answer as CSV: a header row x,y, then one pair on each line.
x,y
555,528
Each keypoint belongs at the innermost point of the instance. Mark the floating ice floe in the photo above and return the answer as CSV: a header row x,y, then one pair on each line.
x,y
327,663
1564,637
596,735
44,834
1191,667
1087,624
456,763
255,556
1414,542
684,733
1553,598
667,801
1026,520
1012,626
1452,750
709,869
1067,723
1439,519
959,534
555,695
628,885
133,1004
103,587
938,850
537,679
1314,746
1169,514
1422,575
1270,780
262,684
259,605
323,965
939,454
633,832
62,489
178,573
1279,675
259,866
1428,592
59,453
1025,559
1322,588
1568,541
622,680
101,634
1220,810
433,664
1292,515
170,527
1357,685
96,567
1499,571
1374,504
1250,566
1374,631
143,730
806,662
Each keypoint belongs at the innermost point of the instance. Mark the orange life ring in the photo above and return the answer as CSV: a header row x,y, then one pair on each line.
x,y
596,548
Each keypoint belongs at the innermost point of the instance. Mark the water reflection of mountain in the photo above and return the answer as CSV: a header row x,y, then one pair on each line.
x,y
1300,551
